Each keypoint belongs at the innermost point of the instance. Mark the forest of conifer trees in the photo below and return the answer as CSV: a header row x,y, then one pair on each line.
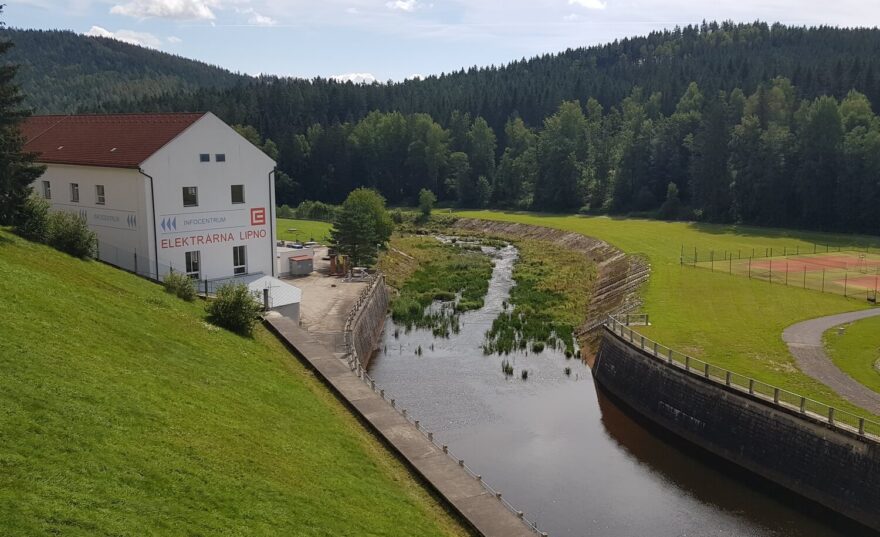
x,y
750,123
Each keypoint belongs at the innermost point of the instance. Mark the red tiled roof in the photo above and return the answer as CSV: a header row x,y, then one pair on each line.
x,y
114,140
302,258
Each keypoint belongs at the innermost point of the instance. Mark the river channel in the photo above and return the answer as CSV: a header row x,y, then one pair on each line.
x,y
565,454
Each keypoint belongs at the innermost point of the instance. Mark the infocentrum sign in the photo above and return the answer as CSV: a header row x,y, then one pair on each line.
x,y
202,229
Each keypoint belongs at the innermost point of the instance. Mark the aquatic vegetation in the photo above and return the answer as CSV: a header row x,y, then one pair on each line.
x,y
549,300
437,283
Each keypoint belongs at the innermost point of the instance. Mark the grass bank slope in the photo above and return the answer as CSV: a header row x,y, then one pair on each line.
x,y
857,351
729,320
123,413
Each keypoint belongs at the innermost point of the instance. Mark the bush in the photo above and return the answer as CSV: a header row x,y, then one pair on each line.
x,y
69,233
316,210
286,212
32,220
178,283
234,308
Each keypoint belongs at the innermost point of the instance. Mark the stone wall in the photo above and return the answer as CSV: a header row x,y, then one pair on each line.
x,y
368,321
828,465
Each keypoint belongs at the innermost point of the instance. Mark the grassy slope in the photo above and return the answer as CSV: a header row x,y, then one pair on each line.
x,y
858,351
306,230
731,321
123,413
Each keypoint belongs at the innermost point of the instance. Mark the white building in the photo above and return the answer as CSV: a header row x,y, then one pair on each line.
x,y
162,191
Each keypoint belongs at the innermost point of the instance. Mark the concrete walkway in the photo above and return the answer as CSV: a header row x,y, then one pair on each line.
x,y
805,343
464,493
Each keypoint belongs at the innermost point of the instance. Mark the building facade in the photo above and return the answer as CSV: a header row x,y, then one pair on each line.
x,y
163,192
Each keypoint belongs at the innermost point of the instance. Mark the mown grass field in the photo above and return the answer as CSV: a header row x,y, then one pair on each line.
x,y
728,320
123,413
857,352
306,230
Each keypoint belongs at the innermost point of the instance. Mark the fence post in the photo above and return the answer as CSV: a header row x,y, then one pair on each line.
x,y
727,378
655,348
669,359
695,256
861,426
771,270
206,287
803,405
687,363
823,280
845,277
707,370
776,395
750,268
805,276
681,256
786,273
751,386
712,259
730,268
831,415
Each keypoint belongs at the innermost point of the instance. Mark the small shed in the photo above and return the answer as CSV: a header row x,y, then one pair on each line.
x,y
302,265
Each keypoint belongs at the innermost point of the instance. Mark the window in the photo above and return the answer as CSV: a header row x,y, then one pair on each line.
x,y
190,196
193,265
47,190
220,157
204,157
237,193
99,194
239,260
74,192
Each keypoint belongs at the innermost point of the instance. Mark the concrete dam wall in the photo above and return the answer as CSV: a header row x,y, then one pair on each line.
x,y
367,320
828,464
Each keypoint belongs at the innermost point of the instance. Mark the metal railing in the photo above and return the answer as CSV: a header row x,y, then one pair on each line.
x,y
356,366
766,393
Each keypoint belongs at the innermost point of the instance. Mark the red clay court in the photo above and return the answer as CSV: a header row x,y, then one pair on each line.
x,y
851,262
865,282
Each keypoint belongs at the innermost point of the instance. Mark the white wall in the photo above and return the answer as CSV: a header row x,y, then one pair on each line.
x,y
215,225
121,224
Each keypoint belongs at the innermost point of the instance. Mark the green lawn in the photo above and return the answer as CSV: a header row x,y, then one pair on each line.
x,y
730,321
857,352
123,413
306,230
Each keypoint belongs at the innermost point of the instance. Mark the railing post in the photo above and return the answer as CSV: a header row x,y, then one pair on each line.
x,y
862,426
643,342
831,415
727,378
776,395
655,348
687,363
752,386
707,370
669,359
803,405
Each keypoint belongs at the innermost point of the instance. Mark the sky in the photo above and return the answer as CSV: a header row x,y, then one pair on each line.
x,y
367,40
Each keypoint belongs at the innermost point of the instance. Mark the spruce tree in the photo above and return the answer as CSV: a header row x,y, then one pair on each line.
x,y
17,169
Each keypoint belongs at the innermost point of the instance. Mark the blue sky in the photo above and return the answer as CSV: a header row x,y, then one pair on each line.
x,y
397,39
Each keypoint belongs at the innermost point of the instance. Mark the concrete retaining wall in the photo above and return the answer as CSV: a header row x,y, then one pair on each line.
x,y
369,321
827,465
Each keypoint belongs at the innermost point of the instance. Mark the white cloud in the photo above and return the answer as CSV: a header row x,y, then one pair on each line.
x,y
357,78
352,11
261,20
167,9
174,40
402,5
143,39
589,4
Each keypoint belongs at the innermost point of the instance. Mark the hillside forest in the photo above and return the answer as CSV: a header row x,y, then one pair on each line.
x,y
750,123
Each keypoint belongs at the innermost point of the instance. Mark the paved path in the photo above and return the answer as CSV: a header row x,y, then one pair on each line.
x,y
464,493
805,343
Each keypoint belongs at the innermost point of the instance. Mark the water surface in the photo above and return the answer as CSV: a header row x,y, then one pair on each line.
x,y
567,455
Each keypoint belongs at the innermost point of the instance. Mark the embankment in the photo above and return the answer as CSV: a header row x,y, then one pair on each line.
x,y
830,465
367,320
619,276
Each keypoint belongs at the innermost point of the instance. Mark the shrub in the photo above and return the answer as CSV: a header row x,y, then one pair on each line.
x,y
178,283
234,308
316,210
69,233
32,220
427,199
286,212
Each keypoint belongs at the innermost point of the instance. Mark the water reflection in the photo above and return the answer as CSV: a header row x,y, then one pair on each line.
x,y
567,455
